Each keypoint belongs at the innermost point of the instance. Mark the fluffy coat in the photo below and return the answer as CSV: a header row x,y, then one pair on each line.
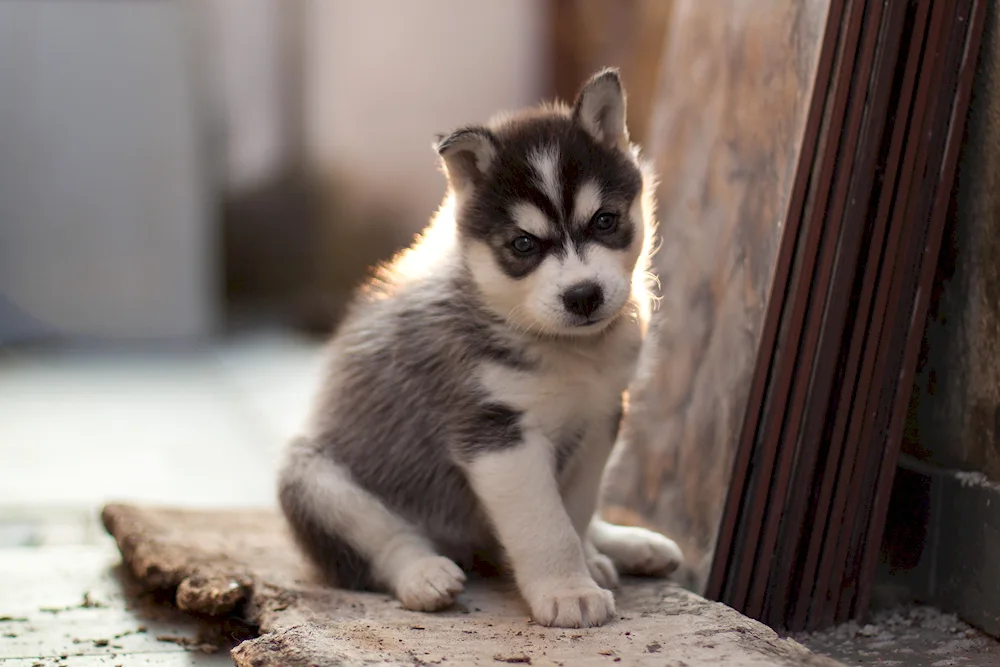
x,y
474,392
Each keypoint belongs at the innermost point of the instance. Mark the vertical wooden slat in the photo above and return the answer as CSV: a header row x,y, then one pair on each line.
x,y
839,450
865,422
779,282
972,14
809,428
785,364
795,528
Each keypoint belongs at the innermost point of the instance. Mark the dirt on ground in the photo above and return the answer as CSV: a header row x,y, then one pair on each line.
x,y
909,637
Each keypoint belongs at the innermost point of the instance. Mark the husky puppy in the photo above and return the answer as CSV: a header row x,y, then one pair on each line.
x,y
474,392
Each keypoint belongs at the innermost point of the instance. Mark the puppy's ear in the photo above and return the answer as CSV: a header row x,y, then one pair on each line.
x,y
467,154
600,108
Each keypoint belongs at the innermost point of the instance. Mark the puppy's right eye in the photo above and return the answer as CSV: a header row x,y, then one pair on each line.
x,y
523,245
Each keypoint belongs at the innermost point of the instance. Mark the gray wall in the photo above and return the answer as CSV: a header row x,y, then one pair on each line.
x,y
104,212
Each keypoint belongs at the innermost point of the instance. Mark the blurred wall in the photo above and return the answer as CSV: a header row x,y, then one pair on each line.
x,y
246,68
161,161
325,112
254,62
103,192
585,35
382,77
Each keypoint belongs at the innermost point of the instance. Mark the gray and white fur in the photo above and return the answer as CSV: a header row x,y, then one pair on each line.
x,y
474,391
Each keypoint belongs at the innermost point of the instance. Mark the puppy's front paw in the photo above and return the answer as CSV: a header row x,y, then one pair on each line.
x,y
644,552
574,604
429,584
602,569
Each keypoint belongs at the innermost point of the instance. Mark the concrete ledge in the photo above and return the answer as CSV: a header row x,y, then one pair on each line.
x,y
222,563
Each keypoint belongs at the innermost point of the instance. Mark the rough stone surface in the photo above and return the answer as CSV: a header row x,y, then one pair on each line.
x,y
244,563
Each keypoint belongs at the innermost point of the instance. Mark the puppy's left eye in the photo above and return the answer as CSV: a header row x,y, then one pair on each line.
x,y
605,222
524,245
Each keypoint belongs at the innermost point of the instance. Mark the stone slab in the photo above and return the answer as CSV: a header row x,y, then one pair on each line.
x,y
243,562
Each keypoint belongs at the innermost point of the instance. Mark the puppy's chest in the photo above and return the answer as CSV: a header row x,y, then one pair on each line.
x,y
567,392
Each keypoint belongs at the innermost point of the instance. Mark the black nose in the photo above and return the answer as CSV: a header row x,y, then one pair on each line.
x,y
583,299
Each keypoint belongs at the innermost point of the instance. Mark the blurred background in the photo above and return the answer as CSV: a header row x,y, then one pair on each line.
x,y
189,192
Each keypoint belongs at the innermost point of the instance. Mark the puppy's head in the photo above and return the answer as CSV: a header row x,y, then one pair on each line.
x,y
550,211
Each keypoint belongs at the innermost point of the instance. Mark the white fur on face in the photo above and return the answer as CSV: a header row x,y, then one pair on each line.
x,y
545,162
558,274
586,203
534,303
530,218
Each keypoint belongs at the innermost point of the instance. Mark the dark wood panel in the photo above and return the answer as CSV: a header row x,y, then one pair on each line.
x,y
829,500
895,294
760,521
960,69
802,504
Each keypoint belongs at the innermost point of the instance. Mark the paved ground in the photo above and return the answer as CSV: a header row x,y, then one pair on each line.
x,y
78,429
81,429
907,637
70,606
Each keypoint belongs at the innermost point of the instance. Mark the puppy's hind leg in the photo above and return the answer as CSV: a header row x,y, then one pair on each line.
x,y
345,528
635,550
